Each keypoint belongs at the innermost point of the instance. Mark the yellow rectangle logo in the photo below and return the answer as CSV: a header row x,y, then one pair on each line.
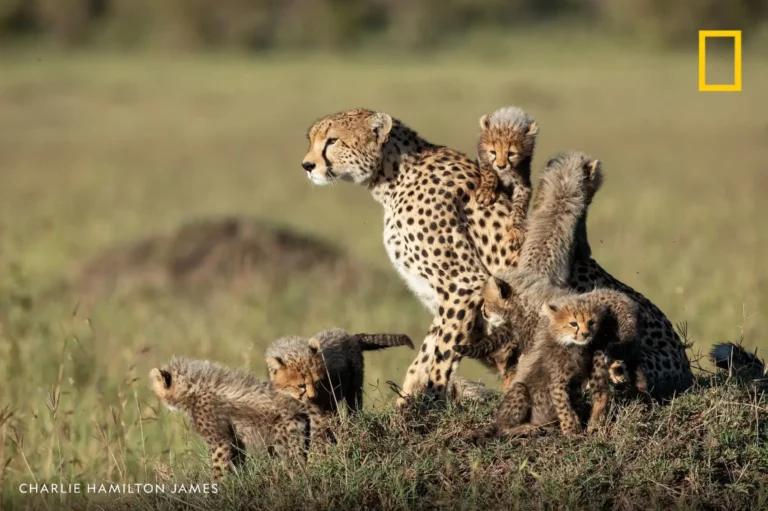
x,y
736,85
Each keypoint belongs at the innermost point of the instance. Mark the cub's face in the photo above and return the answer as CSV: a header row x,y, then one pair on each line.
x,y
346,146
497,307
573,325
503,148
302,378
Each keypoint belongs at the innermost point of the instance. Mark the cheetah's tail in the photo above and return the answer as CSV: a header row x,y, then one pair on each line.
x,y
370,342
735,359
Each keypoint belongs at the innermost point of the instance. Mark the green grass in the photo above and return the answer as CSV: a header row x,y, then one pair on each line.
x,y
98,150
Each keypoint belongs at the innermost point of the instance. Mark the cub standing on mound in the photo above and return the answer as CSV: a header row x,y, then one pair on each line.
x,y
566,354
234,411
504,154
328,368
510,327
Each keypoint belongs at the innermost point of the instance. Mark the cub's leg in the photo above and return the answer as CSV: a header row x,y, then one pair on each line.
x,y
561,400
598,385
514,409
486,191
226,451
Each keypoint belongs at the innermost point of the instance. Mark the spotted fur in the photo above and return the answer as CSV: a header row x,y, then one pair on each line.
x,y
443,244
328,368
235,412
504,153
566,355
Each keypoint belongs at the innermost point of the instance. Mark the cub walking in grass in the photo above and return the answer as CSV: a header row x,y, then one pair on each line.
x,y
504,153
328,368
234,411
566,355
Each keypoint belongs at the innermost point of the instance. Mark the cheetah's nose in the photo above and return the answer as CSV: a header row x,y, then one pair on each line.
x,y
308,166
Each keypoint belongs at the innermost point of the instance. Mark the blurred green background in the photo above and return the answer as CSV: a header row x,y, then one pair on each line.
x,y
152,200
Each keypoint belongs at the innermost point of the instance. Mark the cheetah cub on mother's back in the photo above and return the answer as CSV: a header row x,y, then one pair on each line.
x,y
504,153
567,353
234,411
328,368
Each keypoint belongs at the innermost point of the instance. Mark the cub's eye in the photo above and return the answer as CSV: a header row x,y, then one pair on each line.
x,y
492,153
511,154
573,324
302,386
591,322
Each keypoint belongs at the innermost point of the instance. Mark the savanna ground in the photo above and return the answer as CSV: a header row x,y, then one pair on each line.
x,y
104,157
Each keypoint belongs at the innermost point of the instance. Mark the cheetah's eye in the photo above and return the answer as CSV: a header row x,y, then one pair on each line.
x,y
573,324
302,386
511,154
492,153
330,142
591,322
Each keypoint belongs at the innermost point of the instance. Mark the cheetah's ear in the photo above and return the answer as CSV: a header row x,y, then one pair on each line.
x,y
533,130
592,169
275,363
314,346
165,375
549,310
505,290
381,125
485,122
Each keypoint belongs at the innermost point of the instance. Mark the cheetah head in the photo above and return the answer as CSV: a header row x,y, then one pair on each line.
x,y
508,136
498,304
346,146
171,384
299,374
573,323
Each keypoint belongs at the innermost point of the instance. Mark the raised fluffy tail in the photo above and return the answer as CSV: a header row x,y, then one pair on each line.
x,y
735,359
370,342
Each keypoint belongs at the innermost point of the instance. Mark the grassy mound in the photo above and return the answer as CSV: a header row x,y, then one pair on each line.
x,y
707,449
205,256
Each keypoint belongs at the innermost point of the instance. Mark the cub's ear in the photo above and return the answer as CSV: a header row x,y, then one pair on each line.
x,y
499,288
275,364
314,346
485,122
505,290
549,310
533,130
592,169
381,125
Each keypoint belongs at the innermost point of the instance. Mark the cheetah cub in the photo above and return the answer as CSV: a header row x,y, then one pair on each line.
x,y
504,153
501,329
509,328
567,354
234,411
328,368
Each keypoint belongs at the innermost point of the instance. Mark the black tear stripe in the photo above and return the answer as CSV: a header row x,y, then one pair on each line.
x,y
326,160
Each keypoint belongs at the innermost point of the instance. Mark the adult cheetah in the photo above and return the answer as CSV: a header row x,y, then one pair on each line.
x,y
441,242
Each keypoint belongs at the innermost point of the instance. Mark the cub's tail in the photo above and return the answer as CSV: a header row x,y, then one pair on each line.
x,y
478,350
735,359
370,342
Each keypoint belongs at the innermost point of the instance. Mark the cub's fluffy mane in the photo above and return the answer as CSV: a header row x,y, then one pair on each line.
x,y
510,117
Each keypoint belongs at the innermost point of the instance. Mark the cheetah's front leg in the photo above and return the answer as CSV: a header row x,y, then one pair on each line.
x,y
418,373
457,315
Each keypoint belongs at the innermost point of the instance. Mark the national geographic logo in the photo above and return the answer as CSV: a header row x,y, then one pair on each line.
x,y
727,87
